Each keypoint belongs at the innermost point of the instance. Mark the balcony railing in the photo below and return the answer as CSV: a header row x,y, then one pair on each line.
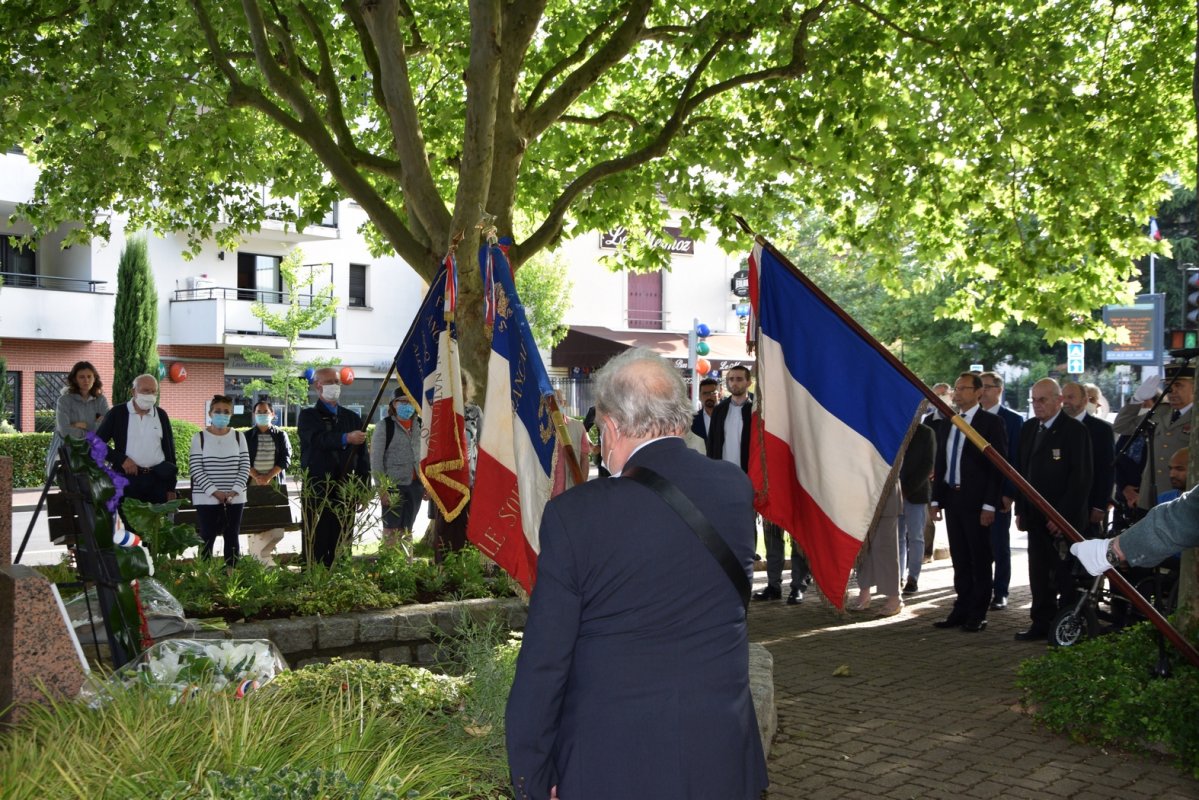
x,y
52,282
238,303
267,199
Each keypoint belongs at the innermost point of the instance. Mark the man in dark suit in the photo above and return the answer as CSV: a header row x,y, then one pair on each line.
x,y
1055,458
728,433
967,491
143,446
328,433
708,392
1103,456
1001,545
633,681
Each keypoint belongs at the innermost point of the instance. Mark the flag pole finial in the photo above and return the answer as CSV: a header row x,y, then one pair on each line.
x,y
487,227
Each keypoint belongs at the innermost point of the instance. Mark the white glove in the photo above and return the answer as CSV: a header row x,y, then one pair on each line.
x,y
1148,389
1092,554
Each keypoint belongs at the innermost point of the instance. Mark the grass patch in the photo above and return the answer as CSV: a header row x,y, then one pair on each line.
x,y
1102,692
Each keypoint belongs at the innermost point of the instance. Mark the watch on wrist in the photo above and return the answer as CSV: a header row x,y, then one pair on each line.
x,y
1112,558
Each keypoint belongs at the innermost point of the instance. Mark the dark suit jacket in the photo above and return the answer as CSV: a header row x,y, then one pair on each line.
x,y
114,429
982,482
1012,423
917,466
697,426
322,453
1060,469
1103,454
716,434
632,680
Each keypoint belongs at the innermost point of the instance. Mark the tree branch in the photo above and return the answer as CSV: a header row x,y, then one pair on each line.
x,y
596,122
478,138
591,38
611,52
382,22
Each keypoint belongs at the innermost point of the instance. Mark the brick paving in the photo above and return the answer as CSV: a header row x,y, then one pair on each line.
x,y
926,713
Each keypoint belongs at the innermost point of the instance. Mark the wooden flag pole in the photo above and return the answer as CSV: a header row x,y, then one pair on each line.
x,y
1144,606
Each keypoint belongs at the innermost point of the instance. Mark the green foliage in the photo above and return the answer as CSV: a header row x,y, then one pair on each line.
x,y
61,573
544,288
44,420
390,689
28,454
140,744
182,432
155,524
1018,145
135,320
1102,691
4,390
287,385
339,591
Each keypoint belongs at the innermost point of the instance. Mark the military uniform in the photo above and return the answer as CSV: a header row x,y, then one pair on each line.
x,y
1170,436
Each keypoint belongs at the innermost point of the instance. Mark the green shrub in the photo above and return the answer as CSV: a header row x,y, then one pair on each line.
x,y
183,431
45,420
287,783
1102,691
28,454
340,591
393,689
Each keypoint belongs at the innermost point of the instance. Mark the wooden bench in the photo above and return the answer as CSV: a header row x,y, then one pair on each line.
x,y
267,508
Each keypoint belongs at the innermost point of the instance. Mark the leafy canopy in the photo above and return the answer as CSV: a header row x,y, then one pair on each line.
x,y
1017,144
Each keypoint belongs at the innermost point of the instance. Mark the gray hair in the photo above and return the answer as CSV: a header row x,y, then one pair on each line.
x,y
642,394
133,385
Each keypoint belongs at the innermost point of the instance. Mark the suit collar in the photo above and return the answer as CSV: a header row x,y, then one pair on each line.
x,y
664,445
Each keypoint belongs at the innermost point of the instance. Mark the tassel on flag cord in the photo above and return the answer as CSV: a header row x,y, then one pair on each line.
x,y
514,474
428,371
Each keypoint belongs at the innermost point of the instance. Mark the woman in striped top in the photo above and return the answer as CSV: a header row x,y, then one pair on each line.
x,y
220,465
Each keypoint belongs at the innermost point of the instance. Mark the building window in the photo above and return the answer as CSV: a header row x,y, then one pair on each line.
x,y
358,286
12,399
47,388
258,278
18,264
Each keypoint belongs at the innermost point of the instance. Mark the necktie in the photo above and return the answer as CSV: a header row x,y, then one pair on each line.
x,y
1174,415
953,456
1040,437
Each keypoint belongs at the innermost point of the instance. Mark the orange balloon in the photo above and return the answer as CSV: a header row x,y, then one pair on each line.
x,y
347,376
177,372
702,366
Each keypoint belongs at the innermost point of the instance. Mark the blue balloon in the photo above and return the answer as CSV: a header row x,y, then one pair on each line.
x,y
309,374
702,330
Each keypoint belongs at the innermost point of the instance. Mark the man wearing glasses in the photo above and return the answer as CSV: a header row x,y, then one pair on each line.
x,y
967,491
1001,546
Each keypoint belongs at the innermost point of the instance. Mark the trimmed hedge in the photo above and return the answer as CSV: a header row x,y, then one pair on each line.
x,y
28,452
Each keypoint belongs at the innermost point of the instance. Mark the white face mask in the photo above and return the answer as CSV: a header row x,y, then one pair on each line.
x,y
145,401
1092,408
331,392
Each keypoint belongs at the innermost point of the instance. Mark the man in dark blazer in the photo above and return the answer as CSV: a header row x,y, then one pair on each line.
x,y
142,444
1103,456
1001,529
708,391
633,681
329,436
967,491
737,381
1055,458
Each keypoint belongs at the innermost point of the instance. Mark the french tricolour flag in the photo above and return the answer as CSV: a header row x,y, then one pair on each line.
x,y
516,445
832,418
428,371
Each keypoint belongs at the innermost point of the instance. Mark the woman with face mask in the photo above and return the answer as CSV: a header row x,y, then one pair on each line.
x,y
395,455
220,466
270,454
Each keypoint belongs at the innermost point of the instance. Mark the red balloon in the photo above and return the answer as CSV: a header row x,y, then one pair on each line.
x,y
702,366
177,373
347,376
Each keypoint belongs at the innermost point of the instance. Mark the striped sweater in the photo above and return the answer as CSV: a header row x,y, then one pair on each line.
x,y
222,463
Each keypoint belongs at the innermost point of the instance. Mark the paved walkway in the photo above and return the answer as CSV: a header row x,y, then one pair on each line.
x,y
925,713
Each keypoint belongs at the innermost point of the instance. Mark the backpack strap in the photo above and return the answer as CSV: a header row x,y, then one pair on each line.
x,y
389,425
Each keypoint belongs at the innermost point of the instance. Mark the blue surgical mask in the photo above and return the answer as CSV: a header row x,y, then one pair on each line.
x,y
404,411
221,420
262,419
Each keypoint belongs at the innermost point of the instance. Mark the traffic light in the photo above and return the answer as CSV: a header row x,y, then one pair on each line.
x,y
1190,298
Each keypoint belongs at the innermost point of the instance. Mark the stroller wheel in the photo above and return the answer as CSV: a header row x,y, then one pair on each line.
x,y
1068,627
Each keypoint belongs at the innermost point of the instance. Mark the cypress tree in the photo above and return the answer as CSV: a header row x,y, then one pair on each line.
x,y
135,320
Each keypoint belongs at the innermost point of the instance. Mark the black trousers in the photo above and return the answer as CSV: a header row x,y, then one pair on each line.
x,y
148,487
321,504
1049,577
970,552
223,520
